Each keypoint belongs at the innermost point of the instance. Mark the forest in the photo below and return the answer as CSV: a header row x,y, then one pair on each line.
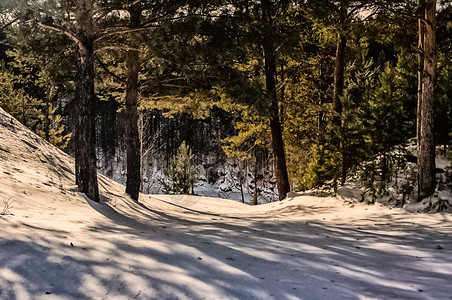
x,y
225,149
237,99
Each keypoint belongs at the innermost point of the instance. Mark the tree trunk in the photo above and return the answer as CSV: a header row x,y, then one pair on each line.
x,y
420,73
133,144
254,201
47,119
321,124
426,145
282,93
85,136
282,179
339,68
338,88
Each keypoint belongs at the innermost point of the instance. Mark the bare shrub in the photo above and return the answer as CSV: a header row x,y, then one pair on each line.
x,y
7,205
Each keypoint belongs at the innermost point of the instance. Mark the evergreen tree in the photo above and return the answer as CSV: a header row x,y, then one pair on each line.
x,y
45,74
133,145
180,173
443,104
253,33
298,77
77,20
426,136
145,23
16,101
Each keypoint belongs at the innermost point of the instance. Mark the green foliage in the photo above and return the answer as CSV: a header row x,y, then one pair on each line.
x,y
45,60
52,130
379,98
308,111
181,174
443,105
197,104
391,108
192,65
252,132
307,115
30,111
14,99
45,68
354,132
323,166
378,113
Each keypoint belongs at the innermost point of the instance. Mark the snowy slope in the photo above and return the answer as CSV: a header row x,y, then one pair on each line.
x,y
56,244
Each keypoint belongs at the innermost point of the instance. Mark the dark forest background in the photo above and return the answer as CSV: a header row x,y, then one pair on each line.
x,y
270,96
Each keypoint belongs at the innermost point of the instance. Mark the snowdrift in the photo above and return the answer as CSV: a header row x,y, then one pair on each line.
x,y
55,244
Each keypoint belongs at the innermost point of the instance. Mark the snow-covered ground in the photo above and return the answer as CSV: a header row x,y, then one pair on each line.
x,y
400,189
55,244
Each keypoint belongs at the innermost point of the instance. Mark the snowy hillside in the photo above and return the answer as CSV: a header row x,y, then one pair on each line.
x,y
55,244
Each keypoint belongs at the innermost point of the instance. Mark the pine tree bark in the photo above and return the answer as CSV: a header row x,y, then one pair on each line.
x,y
426,143
321,124
339,68
85,136
338,88
420,73
133,144
282,178
47,119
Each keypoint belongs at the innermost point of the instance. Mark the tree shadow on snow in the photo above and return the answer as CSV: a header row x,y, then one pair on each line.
x,y
151,254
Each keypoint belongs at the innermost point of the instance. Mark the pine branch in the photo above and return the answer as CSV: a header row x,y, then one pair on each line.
x,y
9,23
123,32
126,48
369,16
395,11
132,4
165,19
110,72
64,31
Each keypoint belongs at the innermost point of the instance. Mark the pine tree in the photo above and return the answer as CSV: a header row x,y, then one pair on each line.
x,y
181,174
426,135
52,130
85,137
16,101
252,33
45,75
270,65
133,144
144,23
76,20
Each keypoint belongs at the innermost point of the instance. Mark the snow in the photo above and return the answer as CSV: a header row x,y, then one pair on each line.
x,y
57,244
401,188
